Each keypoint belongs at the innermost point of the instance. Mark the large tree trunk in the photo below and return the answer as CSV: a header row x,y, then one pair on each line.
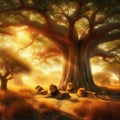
x,y
4,84
77,69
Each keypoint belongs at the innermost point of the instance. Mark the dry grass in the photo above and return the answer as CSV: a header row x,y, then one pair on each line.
x,y
90,109
111,87
7,97
15,106
21,111
2,110
25,93
50,111
47,107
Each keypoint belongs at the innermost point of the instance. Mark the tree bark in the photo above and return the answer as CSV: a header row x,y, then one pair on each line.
x,y
4,84
77,70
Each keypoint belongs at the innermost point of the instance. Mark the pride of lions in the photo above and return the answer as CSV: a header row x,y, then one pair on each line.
x,y
54,92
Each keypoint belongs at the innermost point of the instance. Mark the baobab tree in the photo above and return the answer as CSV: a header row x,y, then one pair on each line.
x,y
77,28
9,66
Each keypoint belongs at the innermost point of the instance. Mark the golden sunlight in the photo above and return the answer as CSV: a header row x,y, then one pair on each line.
x,y
20,34
28,81
42,72
23,36
96,68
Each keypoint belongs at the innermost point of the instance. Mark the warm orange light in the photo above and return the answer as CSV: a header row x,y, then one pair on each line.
x,y
23,37
96,68
20,34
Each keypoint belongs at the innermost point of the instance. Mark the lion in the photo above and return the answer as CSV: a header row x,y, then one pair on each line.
x,y
54,92
81,92
40,90
69,87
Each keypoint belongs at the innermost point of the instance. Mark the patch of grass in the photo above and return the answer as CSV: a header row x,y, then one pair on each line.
x,y
7,97
50,111
25,93
2,110
14,106
21,111
22,106
47,107
92,109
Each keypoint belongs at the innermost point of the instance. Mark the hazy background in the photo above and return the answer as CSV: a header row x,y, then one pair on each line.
x,y
50,70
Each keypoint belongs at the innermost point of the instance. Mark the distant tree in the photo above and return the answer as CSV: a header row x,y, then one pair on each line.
x,y
10,65
76,27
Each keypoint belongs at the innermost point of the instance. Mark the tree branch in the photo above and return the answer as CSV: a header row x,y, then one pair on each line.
x,y
5,32
27,45
105,38
105,29
107,56
49,30
49,52
103,18
6,73
102,53
10,77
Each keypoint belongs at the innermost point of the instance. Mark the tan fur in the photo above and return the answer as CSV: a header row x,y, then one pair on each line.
x,y
81,92
54,92
69,87
40,90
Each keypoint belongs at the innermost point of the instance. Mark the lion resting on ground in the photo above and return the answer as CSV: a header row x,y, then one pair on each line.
x,y
40,90
55,93
70,87
81,92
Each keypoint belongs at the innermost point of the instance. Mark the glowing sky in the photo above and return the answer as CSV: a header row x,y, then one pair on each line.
x,y
41,71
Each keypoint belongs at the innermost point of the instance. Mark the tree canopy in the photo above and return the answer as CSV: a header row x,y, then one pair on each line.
x,y
77,27
9,66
